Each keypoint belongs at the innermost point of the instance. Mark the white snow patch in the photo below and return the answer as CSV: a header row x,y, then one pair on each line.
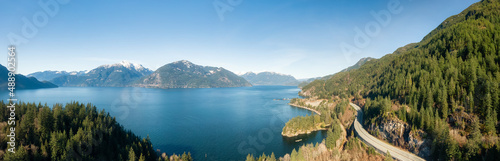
x,y
126,64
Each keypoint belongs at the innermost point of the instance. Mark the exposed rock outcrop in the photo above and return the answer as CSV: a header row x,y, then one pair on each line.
x,y
399,134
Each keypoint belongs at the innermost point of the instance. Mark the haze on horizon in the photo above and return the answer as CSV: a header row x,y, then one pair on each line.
x,y
298,37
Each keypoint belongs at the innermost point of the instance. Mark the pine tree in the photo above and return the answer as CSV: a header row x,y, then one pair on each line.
x,y
131,154
294,155
142,158
388,156
272,157
474,140
444,102
490,122
250,157
430,100
330,140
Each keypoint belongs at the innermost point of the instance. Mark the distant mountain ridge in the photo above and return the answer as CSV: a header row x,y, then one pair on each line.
x,y
22,82
184,74
112,75
270,78
49,75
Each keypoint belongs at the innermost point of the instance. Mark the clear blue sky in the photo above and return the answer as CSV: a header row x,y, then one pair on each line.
x,y
297,37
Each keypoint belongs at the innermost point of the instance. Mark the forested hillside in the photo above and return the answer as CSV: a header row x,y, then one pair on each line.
x,y
73,132
22,82
446,85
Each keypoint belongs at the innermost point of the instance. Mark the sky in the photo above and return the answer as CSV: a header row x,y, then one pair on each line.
x,y
303,38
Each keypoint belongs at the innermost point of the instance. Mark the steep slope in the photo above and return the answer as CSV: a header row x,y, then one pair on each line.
x,y
358,64
22,82
184,74
114,75
447,85
49,75
355,66
270,78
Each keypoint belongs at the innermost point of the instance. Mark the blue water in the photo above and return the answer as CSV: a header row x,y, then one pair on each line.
x,y
212,124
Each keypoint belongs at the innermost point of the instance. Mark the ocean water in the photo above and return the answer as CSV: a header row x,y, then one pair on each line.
x,y
212,124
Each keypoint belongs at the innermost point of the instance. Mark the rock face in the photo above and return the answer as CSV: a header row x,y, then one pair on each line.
x,y
399,134
184,74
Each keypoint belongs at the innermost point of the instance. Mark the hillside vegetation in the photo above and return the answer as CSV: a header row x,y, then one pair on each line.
x,y
73,132
446,85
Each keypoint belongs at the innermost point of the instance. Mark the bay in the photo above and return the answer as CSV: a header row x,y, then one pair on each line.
x,y
212,123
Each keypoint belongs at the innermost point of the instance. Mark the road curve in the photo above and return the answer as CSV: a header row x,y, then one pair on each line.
x,y
379,145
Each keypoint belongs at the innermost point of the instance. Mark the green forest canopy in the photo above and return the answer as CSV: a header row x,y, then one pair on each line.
x,y
453,70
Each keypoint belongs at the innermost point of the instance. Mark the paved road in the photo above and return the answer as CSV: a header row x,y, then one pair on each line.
x,y
379,145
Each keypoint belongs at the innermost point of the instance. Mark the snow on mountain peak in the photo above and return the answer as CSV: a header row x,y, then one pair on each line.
x,y
186,63
126,64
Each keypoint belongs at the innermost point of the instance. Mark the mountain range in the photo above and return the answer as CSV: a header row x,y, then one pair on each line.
x,y
113,75
184,74
180,74
270,78
49,75
22,82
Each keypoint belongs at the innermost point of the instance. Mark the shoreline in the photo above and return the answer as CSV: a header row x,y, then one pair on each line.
x,y
303,133
307,108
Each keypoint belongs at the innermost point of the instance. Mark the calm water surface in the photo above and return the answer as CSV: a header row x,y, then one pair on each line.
x,y
213,124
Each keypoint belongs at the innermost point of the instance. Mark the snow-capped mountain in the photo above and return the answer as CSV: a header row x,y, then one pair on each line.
x,y
49,75
184,74
111,75
128,65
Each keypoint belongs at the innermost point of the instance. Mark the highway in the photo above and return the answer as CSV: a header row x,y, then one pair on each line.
x,y
379,145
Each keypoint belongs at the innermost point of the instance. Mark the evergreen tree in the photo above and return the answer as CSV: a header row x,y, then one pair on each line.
x,y
474,140
490,123
272,157
388,156
250,157
294,155
142,158
330,140
131,154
